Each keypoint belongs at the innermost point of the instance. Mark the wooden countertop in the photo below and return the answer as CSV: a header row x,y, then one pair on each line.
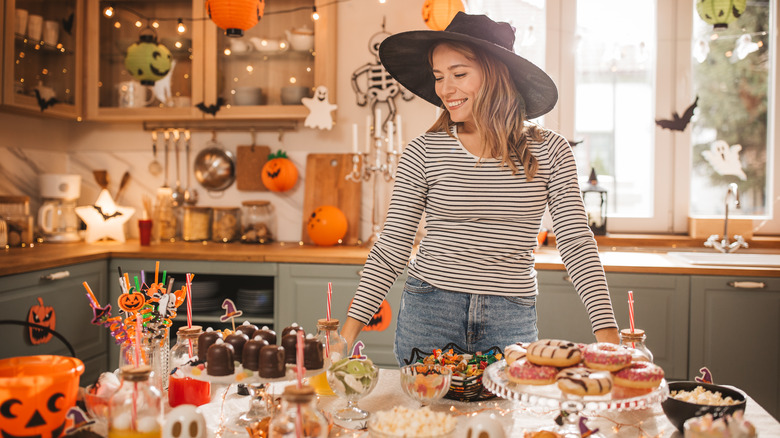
x,y
653,260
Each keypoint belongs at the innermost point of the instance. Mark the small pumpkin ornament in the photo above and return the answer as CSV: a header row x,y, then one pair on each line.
x,y
437,14
131,302
327,225
147,60
720,13
44,316
279,174
381,319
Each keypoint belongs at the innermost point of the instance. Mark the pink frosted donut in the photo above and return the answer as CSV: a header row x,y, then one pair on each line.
x,y
523,372
639,375
606,356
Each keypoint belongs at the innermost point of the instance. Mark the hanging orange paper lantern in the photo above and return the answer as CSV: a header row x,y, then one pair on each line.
x,y
235,16
437,14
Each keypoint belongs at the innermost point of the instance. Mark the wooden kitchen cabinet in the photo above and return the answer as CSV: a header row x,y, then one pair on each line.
x,y
303,298
44,54
735,332
209,67
660,307
61,289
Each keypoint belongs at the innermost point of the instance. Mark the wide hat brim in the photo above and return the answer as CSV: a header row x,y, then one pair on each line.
x,y
405,56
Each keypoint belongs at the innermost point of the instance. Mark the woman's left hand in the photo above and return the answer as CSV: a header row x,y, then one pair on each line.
x,y
608,335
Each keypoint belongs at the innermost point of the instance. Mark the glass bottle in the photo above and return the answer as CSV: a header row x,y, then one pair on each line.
x,y
335,347
135,409
183,390
636,341
257,222
298,410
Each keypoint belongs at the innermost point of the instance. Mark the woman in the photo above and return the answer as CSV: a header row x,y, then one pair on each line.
x,y
482,175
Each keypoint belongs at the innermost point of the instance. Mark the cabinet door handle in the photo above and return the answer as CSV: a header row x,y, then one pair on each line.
x,y
56,275
747,284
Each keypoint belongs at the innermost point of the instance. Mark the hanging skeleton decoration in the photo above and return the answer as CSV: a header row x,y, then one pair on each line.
x,y
378,85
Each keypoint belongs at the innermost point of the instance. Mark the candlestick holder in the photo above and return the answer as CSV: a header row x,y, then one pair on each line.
x,y
380,162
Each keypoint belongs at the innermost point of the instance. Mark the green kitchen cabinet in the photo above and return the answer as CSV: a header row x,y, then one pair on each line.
x,y
660,308
61,290
303,299
735,332
230,278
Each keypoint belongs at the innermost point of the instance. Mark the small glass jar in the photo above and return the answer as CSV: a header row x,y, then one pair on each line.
x,y
164,217
182,389
135,409
636,341
258,224
225,225
196,224
298,410
335,347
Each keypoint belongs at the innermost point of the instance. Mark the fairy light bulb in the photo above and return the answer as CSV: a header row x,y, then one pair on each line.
x,y
109,11
156,25
117,24
138,23
180,28
314,14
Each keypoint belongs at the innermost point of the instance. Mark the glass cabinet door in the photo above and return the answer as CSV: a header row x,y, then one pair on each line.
x,y
41,61
265,73
145,60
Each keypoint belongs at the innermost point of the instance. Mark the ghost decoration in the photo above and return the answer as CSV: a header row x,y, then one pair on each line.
x,y
484,426
162,88
184,421
725,159
105,219
319,109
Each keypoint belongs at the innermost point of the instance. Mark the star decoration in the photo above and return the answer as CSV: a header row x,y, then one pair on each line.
x,y
105,219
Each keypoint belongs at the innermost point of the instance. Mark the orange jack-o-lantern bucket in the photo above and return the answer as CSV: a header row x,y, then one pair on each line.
x,y
36,393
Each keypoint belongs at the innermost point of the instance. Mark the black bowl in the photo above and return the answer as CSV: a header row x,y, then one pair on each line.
x,y
677,411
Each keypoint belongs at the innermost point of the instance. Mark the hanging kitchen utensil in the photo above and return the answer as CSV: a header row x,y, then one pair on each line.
x,y
155,168
178,194
167,137
122,185
215,167
190,194
101,178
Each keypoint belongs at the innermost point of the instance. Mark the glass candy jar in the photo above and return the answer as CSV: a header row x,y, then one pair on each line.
x,y
182,389
196,224
636,341
225,224
257,222
135,409
298,410
335,347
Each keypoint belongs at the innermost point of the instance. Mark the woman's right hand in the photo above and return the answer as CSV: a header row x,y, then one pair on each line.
x,y
350,331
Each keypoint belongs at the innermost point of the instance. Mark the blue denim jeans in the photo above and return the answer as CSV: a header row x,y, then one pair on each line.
x,y
430,318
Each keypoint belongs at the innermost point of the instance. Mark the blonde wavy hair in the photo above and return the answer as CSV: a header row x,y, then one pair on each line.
x,y
499,112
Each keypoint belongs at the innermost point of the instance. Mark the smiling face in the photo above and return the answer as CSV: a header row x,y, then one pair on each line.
x,y
458,80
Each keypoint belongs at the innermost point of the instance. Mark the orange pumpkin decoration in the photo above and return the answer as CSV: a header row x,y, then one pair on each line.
x,y
235,16
36,393
41,315
381,319
279,174
131,302
327,225
437,14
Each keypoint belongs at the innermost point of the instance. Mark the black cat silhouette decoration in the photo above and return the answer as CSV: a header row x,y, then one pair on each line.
x,y
679,123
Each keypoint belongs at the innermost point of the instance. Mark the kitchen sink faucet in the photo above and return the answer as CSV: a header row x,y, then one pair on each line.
x,y
724,245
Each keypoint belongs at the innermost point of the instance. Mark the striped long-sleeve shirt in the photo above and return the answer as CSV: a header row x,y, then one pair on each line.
x,y
481,226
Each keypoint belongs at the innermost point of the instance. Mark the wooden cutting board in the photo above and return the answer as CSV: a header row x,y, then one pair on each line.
x,y
249,164
326,184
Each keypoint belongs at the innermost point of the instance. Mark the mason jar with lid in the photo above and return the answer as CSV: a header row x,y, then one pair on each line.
x,y
196,225
225,225
258,224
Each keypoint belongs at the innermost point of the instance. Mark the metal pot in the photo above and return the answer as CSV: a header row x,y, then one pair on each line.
x,y
215,167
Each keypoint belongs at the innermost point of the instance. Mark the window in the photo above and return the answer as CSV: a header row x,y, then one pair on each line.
x,y
620,66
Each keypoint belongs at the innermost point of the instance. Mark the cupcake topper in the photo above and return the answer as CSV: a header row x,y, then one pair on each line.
x,y
706,375
230,312
357,350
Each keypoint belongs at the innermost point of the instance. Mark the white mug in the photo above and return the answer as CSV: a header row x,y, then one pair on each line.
x,y
134,95
34,27
21,21
51,32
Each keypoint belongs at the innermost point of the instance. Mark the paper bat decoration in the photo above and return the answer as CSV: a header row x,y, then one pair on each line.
x,y
44,103
67,23
106,216
679,123
211,109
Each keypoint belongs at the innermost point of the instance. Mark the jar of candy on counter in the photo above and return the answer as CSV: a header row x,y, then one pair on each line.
x,y
225,225
258,224
196,224
135,409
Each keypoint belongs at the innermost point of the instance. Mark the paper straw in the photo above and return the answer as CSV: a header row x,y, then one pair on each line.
x,y
127,281
138,339
156,271
631,310
330,292
189,305
299,357
137,284
143,278
91,295
165,273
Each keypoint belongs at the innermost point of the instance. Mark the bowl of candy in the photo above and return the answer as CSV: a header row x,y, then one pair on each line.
x,y
402,422
97,395
467,368
426,383
694,399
